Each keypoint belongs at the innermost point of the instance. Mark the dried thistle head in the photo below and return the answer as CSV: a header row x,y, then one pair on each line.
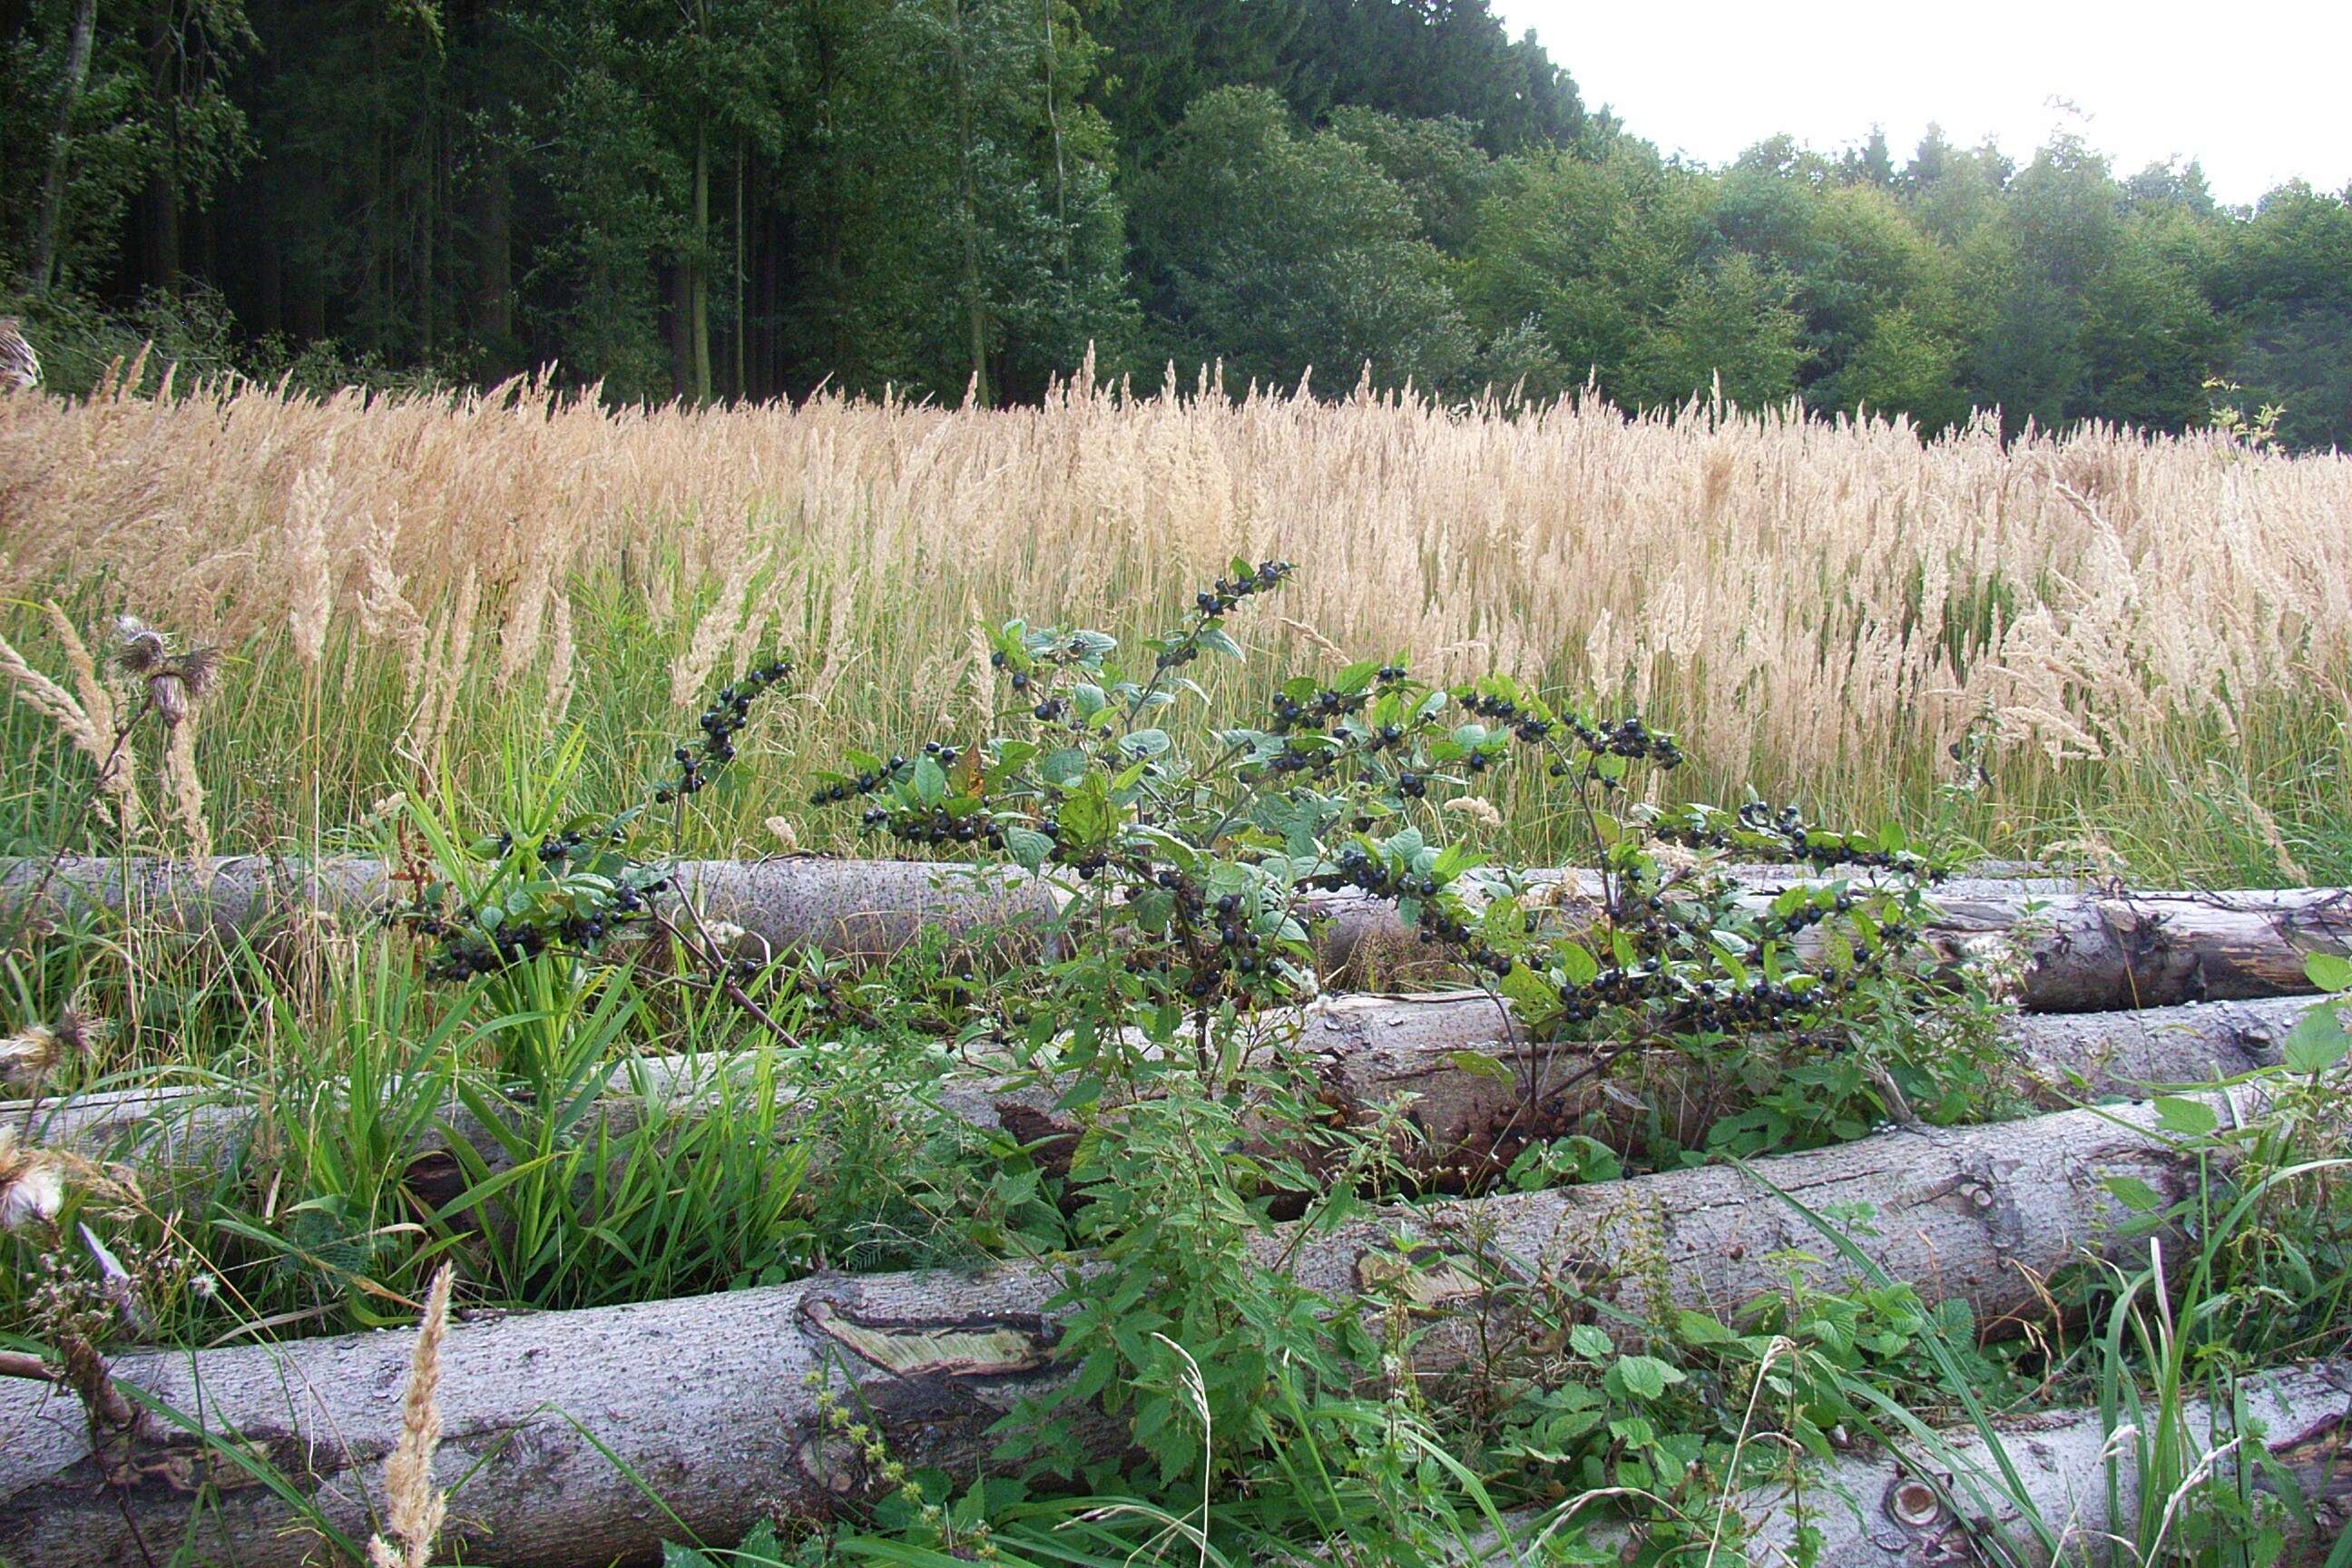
x,y
35,1051
175,680
139,649
32,1182
200,671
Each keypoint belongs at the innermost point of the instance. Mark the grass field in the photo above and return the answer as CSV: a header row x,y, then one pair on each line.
x,y
2143,643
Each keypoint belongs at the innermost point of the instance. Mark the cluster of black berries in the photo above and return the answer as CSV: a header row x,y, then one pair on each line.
x,y
721,722
1796,839
1239,954
1318,711
1220,599
881,778
1628,738
864,783
1389,676
929,825
465,951
1436,921
999,660
1235,940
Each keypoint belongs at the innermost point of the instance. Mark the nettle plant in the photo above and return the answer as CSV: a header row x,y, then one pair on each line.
x,y
1200,861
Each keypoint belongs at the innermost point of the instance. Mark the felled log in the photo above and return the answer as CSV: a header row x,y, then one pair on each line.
x,y
1477,1092
2071,952
1905,1507
2079,952
707,1400
856,909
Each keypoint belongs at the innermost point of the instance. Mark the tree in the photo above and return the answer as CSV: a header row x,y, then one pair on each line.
x,y
1427,59
1731,326
1564,259
1276,252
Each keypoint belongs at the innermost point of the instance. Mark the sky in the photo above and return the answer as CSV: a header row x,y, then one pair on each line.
x,y
2257,92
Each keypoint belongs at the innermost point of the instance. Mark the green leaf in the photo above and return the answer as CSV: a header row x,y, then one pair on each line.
x,y
930,781
2317,1041
1646,1376
2193,1116
1028,847
1589,1342
1527,989
1576,961
1063,766
1086,814
1145,743
2134,1194
1479,1065
2328,972
1216,641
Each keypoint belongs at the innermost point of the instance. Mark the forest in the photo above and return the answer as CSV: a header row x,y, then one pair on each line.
x,y
953,199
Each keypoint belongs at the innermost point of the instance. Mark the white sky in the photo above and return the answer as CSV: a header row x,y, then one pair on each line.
x,y
2256,90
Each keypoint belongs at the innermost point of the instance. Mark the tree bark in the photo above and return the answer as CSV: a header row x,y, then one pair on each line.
x,y
854,908
705,1398
2076,951
1895,1510
1475,1096
53,187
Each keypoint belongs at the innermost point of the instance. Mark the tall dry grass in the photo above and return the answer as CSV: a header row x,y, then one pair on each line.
x,y
1827,607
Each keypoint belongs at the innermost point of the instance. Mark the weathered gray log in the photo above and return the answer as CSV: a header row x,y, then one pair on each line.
x,y
852,908
1476,1093
2082,951
1910,1506
2073,951
705,1398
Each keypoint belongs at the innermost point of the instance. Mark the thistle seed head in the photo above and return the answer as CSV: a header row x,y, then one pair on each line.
x,y
32,1182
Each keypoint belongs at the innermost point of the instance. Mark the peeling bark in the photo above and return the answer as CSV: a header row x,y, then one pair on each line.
x,y
705,1399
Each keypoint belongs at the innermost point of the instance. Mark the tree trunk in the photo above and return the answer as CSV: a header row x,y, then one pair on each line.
x,y
699,270
2075,951
1476,1097
53,187
705,1398
162,203
1883,1510
975,309
742,334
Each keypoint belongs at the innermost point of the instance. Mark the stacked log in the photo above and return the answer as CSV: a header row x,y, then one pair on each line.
x,y
552,1419
555,1421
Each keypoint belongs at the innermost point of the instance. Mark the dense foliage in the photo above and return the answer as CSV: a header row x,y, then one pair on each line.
x,y
725,198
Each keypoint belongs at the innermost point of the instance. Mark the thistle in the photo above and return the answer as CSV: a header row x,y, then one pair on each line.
x,y
175,681
35,1051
